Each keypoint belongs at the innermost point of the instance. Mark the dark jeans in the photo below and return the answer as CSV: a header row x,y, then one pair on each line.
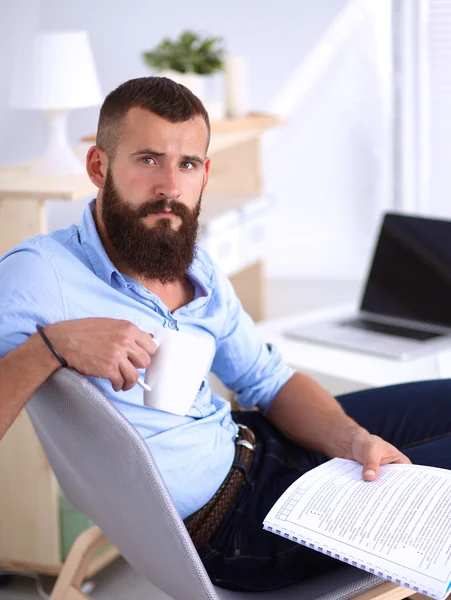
x,y
415,417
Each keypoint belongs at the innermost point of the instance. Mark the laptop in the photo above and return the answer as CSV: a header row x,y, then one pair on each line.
x,y
405,309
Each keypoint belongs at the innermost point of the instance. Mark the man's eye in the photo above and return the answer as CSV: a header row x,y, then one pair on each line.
x,y
147,159
187,165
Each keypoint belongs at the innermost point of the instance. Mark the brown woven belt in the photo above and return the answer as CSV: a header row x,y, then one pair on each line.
x,y
204,523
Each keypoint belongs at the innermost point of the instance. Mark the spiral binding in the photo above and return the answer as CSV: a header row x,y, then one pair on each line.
x,y
290,535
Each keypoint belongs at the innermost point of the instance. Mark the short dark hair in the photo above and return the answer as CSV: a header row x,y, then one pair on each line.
x,y
160,95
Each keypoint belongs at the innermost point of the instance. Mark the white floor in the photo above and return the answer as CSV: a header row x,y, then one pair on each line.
x,y
118,581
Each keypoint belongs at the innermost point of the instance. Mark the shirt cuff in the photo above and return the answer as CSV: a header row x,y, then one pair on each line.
x,y
286,373
271,377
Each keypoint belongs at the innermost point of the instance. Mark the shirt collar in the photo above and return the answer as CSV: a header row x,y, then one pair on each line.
x,y
92,245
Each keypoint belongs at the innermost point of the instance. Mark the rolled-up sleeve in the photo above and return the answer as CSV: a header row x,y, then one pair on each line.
x,y
29,293
248,366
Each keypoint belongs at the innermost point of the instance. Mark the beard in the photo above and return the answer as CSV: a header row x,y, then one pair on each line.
x,y
158,252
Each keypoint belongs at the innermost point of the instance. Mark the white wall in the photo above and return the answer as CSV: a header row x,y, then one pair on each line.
x,y
22,133
323,169
330,170
437,48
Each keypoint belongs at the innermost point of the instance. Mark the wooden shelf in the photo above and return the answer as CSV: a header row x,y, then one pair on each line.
x,y
18,183
257,122
253,121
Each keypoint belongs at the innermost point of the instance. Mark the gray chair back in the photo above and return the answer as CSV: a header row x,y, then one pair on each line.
x,y
107,472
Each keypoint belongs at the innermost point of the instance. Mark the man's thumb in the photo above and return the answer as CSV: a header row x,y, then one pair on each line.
x,y
371,467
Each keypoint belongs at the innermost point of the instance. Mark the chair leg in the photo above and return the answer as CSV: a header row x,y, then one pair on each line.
x,y
76,565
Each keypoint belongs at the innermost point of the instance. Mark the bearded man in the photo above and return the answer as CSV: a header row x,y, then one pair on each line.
x,y
91,296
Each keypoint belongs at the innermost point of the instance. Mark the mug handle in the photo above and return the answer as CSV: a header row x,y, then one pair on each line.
x,y
141,381
144,385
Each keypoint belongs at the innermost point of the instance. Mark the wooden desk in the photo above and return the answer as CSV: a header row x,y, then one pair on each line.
x,y
22,201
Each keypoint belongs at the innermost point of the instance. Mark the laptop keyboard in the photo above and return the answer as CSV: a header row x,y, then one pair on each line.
x,y
396,330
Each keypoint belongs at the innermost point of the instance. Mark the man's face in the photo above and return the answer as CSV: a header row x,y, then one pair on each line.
x,y
151,199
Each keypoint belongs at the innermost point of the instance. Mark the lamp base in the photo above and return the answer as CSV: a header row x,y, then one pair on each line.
x,y
58,157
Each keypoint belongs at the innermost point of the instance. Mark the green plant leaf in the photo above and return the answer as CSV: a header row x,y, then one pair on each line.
x,y
190,53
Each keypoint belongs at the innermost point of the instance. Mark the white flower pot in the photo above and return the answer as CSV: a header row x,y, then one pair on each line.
x,y
195,83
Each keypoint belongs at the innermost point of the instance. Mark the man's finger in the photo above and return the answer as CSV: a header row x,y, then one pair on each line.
x,y
148,342
402,460
371,466
129,374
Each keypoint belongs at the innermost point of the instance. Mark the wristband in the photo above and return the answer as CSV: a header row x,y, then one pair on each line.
x,y
50,346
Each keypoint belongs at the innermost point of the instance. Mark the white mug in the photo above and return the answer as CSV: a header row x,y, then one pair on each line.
x,y
175,375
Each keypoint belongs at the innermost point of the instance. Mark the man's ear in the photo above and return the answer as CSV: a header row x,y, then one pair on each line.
x,y
206,173
97,166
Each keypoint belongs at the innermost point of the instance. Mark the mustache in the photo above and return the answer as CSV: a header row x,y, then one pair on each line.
x,y
156,206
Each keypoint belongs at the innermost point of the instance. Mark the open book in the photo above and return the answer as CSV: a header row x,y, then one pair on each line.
x,y
397,527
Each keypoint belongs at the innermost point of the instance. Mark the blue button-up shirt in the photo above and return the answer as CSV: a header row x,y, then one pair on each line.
x,y
68,275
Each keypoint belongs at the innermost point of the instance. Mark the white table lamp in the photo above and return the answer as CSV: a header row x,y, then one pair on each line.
x,y
56,76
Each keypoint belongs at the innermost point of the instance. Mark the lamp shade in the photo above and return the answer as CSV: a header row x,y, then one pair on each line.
x,y
56,73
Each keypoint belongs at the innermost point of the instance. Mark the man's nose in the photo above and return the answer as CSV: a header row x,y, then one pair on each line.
x,y
167,185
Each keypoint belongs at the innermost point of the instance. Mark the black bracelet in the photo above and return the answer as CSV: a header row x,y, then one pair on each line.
x,y
50,346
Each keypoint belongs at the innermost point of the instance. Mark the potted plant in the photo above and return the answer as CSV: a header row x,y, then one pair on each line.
x,y
187,60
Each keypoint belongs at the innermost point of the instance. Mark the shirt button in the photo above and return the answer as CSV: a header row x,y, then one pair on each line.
x,y
172,324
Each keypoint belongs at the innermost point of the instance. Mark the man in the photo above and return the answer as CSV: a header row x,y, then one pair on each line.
x,y
100,289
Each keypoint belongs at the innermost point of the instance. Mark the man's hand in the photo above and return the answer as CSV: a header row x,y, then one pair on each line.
x,y
372,451
106,348
310,417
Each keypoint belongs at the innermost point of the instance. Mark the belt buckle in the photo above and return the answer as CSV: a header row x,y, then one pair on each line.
x,y
245,443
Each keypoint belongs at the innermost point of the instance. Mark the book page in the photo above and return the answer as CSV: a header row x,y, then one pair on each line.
x,y
397,527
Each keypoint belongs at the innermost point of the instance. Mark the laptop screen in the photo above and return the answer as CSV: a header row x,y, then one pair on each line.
x,y
410,276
